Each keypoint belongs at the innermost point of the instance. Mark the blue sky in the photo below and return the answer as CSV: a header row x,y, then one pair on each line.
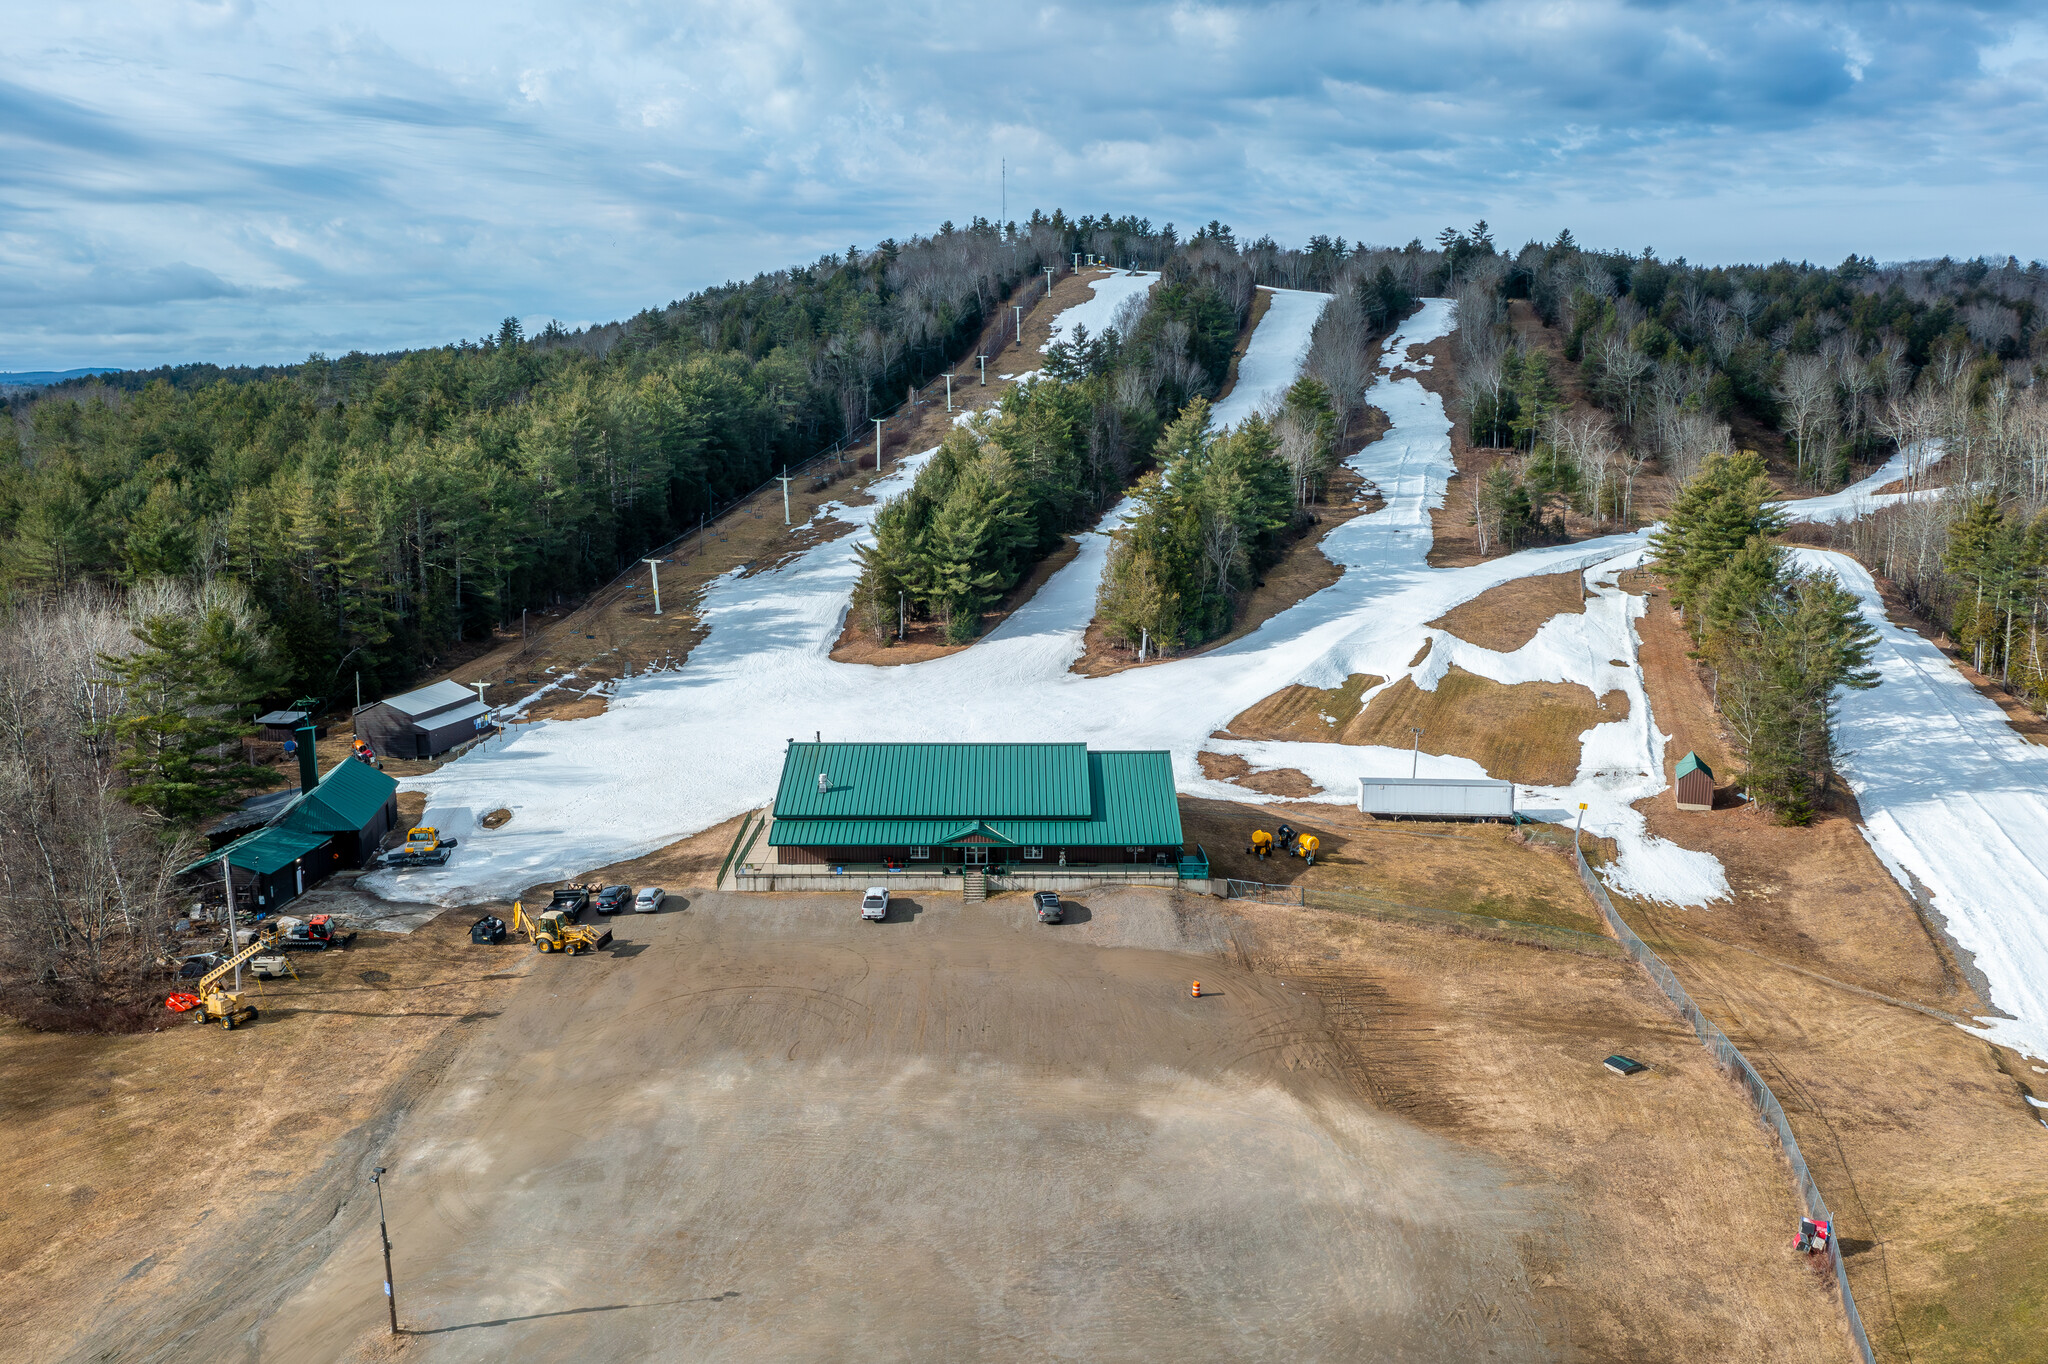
x,y
247,182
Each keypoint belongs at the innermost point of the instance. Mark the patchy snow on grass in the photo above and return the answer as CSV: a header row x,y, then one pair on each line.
x,y
1097,312
678,752
1862,497
1951,795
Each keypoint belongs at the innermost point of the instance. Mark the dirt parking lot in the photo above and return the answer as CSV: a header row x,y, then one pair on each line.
x,y
759,1128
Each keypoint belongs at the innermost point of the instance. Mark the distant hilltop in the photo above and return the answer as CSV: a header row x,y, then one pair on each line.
x,y
37,378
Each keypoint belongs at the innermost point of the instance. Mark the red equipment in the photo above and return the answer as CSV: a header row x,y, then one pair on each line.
x,y
180,1002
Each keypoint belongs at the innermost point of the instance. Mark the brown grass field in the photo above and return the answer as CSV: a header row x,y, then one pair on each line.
x,y
1506,617
1524,732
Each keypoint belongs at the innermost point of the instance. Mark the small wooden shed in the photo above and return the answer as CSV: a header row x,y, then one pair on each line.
x,y
1695,783
280,725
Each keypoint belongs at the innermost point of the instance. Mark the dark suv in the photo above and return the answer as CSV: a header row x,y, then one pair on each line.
x,y
1048,904
612,899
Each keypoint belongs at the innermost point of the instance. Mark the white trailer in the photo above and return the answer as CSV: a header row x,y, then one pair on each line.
x,y
1437,797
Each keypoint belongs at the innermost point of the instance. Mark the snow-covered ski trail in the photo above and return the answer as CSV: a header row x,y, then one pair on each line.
x,y
1952,795
677,752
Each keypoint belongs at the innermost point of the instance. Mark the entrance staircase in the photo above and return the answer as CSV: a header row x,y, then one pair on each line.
x,y
973,886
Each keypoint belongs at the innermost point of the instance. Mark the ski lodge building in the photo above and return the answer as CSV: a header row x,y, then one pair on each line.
x,y
334,823
1022,815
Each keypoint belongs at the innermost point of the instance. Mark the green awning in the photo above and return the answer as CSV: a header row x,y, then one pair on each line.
x,y
264,852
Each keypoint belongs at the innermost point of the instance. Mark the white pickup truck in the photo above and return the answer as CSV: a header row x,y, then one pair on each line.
x,y
874,903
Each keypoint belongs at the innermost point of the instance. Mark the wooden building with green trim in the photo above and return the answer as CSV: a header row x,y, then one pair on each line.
x,y
339,822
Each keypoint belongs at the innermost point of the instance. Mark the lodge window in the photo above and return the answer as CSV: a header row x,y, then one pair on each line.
x,y
920,854
1034,854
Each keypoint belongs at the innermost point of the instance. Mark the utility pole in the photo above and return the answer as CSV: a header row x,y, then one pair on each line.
x,y
1415,754
783,479
949,392
878,443
359,676
1144,639
1077,262
655,566
1018,308
390,1298
522,635
899,615
227,880
1006,194
1050,271
983,360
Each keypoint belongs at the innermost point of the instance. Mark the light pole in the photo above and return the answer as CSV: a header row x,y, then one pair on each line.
x,y
655,565
390,1298
1415,754
1018,309
949,393
878,443
783,479
1050,271
983,361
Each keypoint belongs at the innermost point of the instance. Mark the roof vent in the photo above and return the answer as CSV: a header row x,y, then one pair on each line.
x,y
824,783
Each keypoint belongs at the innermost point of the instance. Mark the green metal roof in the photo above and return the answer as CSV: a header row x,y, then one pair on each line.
x,y
1691,763
935,781
1131,803
265,851
344,801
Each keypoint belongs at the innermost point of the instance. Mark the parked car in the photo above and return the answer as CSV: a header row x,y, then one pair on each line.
x,y
1048,902
572,901
874,904
649,899
612,899
198,964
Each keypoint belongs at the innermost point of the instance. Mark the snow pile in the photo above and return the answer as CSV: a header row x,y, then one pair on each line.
x,y
1097,312
1951,795
677,752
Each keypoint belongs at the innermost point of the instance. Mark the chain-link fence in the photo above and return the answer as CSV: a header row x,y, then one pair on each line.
x,y
1394,911
1735,1063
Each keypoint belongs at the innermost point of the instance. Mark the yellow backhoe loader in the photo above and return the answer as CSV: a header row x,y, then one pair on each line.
x,y
552,931
215,1002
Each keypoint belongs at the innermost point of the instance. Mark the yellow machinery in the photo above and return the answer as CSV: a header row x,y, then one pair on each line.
x,y
424,839
216,1003
551,931
1306,846
423,847
1262,844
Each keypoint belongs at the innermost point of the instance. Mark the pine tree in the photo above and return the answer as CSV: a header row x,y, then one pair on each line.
x,y
186,688
1715,514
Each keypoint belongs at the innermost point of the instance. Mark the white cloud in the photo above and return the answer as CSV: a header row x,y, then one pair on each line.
x,y
413,173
